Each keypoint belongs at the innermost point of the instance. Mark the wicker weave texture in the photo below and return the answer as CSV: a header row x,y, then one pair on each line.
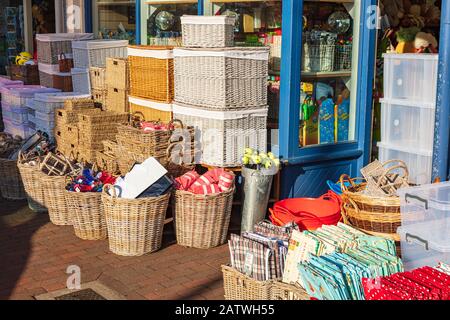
x,y
151,114
99,96
221,83
64,83
135,226
98,78
48,51
207,35
117,73
117,100
107,162
81,82
89,221
11,186
55,200
32,182
239,286
201,221
96,57
151,78
223,141
283,291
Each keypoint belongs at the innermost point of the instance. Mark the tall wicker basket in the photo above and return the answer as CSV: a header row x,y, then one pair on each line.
x,y
135,226
55,200
201,221
32,182
11,186
89,221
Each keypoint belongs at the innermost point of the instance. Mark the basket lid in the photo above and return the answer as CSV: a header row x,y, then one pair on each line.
x,y
8,82
157,52
251,53
190,19
219,115
150,104
26,91
50,37
59,96
99,44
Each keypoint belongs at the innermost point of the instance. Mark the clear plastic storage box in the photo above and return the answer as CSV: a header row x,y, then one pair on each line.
x,y
419,162
23,130
425,230
406,124
15,114
410,77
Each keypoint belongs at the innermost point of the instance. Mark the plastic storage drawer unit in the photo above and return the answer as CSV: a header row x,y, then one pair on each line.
x,y
410,77
425,230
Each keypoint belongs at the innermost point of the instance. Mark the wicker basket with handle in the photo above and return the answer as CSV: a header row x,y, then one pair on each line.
x,y
151,72
201,221
32,182
151,110
135,226
11,185
239,286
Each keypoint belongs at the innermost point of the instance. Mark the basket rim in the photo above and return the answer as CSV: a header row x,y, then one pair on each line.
x,y
205,196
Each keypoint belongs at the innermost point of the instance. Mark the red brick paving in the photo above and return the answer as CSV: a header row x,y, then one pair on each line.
x,y
34,256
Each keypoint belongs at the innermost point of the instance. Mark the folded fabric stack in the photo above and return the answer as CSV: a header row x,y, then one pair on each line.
x,y
425,283
213,181
155,126
260,254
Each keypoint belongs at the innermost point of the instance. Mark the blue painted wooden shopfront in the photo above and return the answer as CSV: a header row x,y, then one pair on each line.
x,y
307,169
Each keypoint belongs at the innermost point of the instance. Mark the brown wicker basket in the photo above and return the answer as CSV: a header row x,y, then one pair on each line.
x,y
176,170
32,182
284,291
99,96
151,111
117,100
97,76
89,221
11,186
135,226
201,221
117,73
151,77
55,200
107,162
373,214
239,286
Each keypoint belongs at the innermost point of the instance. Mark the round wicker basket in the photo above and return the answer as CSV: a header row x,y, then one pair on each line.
x,y
11,186
55,200
32,182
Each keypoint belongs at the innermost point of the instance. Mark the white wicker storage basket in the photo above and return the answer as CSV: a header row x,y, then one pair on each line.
x,y
207,31
81,81
48,102
50,45
93,53
223,79
224,135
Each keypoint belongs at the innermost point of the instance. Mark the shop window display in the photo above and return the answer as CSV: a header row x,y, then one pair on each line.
x,y
162,21
114,19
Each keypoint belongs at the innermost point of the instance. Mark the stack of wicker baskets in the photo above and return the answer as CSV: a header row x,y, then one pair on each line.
x,y
239,286
151,82
222,91
97,77
117,84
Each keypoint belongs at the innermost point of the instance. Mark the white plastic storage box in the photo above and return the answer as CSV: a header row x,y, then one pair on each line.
x,y
425,230
18,95
50,45
223,79
81,81
93,53
419,162
207,31
48,102
15,114
411,77
407,124
23,130
224,135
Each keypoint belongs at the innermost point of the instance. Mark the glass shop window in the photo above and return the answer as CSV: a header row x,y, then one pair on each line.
x,y
114,19
161,20
328,72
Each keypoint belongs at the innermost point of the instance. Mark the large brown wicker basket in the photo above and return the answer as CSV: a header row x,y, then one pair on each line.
x,y
32,182
239,286
89,221
11,186
151,72
135,226
201,221
375,215
55,200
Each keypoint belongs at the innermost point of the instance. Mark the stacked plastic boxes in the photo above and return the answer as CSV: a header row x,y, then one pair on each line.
x,y
408,112
221,90
49,48
6,82
16,114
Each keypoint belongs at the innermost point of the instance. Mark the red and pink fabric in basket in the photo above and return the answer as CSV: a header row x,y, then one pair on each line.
x,y
213,181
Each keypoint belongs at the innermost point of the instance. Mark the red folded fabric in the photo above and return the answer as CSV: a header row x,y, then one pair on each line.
x,y
213,181
205,189
186,180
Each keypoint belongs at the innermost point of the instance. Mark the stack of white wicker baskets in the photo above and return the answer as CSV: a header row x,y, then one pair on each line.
x,y
220,89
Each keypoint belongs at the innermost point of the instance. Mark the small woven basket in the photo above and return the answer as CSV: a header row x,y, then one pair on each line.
x,y
207,31
239,286
135,226
11,186
98,78
55,200
32,182
201,221
89,221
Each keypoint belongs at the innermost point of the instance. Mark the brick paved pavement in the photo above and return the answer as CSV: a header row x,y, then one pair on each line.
x,y
34,256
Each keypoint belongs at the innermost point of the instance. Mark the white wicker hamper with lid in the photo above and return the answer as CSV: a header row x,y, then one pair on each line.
x,y
221,79
93,53
225,134
207,31
50,45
